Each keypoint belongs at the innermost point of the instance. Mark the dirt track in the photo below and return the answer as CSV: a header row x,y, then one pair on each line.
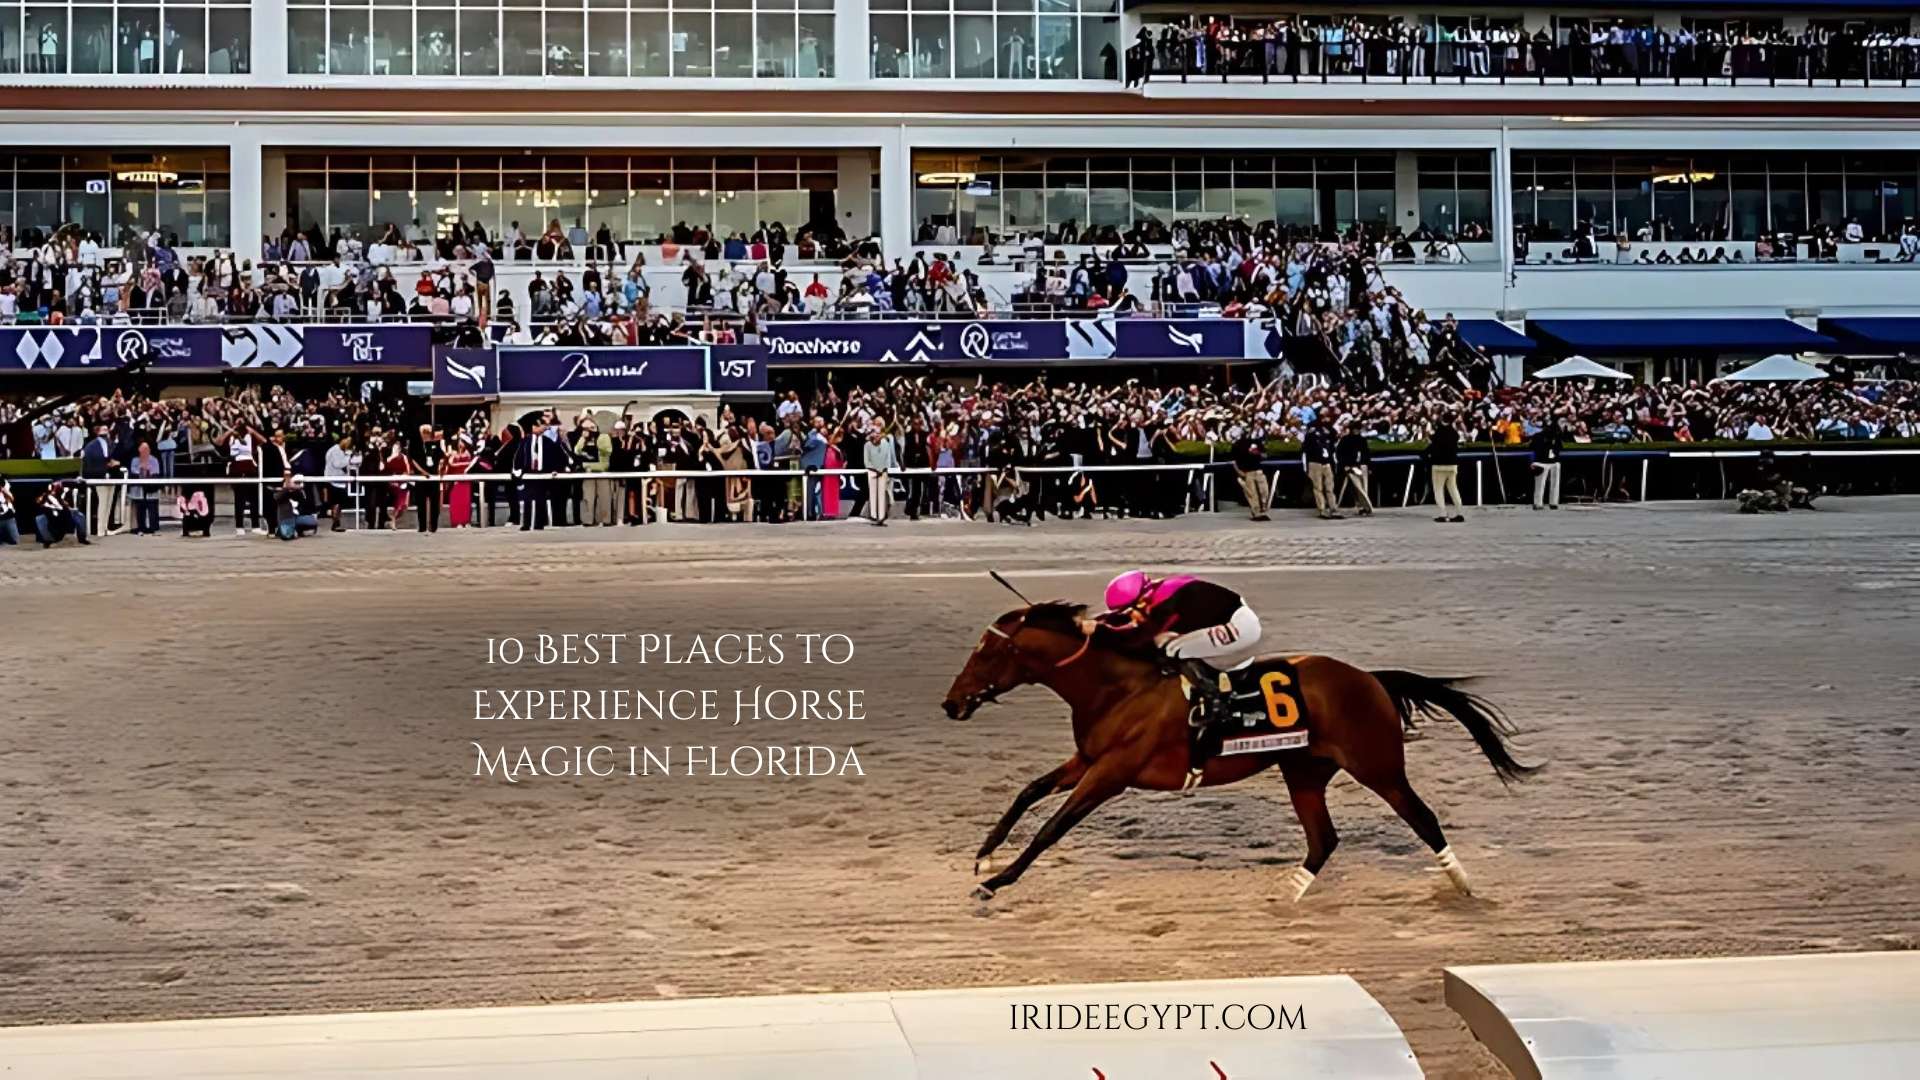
x,y
234,775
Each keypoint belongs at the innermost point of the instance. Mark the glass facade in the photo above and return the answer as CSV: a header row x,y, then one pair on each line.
x,y
639,197
1714,196
116,195
163,37
730,39
977,195
995,39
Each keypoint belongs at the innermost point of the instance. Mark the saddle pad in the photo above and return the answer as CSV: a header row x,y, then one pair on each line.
x,y
1269,712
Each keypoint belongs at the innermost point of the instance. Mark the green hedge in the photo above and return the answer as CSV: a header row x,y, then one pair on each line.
x,y
37,469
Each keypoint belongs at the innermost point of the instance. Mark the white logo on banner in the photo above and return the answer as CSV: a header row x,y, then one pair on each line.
x,y
1090,339
361,347
1190,342
737,368
975,342
473,373
580,365
131,346
263,346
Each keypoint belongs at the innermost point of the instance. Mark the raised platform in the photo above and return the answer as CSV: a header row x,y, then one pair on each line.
x,y
922,1035
1852,1015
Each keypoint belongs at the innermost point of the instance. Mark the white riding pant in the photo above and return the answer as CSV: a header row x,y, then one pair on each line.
x,y
1229,646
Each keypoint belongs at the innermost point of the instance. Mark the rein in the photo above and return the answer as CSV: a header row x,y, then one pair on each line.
x,y
1086,642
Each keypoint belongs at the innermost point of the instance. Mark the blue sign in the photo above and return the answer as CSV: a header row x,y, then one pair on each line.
x,y
466,373
253,345
1181,339
739,369
1003,341
824,344
561,370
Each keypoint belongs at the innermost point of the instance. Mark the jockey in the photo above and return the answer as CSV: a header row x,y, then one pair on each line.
x,y
1206,627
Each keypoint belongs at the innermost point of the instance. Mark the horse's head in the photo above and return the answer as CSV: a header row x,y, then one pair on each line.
x,y
1018,648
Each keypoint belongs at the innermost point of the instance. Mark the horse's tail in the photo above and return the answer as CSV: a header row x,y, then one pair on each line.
x,y
1414,694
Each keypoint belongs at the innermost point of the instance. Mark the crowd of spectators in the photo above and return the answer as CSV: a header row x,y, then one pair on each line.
x,y
1397,47
996,451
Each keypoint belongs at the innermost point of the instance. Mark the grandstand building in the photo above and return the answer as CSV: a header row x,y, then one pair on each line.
x,y
1560,162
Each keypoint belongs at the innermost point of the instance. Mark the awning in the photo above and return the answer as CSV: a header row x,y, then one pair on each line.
x,y
1656,337
1494,336
1878,334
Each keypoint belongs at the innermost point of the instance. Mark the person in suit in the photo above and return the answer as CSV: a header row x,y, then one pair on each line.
x,y
429,460
534,456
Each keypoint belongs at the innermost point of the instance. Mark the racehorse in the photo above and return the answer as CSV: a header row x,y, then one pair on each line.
x,y
1130,731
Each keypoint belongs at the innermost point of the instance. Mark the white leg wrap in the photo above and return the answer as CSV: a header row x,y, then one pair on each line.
x,y
1451,864
1299,879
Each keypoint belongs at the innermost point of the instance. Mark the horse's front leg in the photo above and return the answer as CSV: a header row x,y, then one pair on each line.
x,y
1067,775
1103,780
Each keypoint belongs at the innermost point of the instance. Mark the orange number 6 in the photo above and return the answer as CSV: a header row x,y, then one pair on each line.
x,y
1282,708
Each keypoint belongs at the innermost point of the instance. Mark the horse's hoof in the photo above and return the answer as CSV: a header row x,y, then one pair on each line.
x,y
982,893
983,865
1299,880
1450,863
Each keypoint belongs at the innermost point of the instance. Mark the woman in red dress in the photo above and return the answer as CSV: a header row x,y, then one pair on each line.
x,y
397,464
459,496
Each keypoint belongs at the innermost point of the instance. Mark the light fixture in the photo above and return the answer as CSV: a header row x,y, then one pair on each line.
x,y
941,179
147,176
1683,178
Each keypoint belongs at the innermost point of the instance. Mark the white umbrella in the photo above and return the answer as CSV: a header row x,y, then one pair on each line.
x,y
1776,368
1579,367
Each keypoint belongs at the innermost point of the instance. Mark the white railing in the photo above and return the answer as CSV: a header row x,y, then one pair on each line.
x,y
353,485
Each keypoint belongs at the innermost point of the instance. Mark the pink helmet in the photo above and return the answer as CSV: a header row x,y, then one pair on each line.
x,y
1127,589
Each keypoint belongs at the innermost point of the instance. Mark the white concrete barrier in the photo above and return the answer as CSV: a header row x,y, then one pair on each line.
x,y
927,1035
1847,1015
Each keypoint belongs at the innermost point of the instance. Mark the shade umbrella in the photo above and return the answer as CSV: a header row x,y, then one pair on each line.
x,y
1579,367
1776,368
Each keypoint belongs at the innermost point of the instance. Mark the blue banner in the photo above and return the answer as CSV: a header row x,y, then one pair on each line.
x,y
739,369
1004,341
837,344
1181,339
563,370
254,345
466,373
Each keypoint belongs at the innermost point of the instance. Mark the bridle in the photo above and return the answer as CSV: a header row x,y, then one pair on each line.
x,y
989,696
1086,642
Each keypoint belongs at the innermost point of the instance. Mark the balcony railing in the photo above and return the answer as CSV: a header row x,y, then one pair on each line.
x,y
1194,56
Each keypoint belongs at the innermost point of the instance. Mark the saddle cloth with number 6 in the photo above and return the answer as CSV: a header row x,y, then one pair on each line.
x,y
1266,710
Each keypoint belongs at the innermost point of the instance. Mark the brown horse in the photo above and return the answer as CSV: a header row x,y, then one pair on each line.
x,y
1130,731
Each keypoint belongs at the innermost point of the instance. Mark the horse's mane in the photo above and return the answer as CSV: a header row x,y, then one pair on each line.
x,y
1063,616
1060,615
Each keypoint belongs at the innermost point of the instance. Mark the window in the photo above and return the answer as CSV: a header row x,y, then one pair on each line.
x,y
1106,195
143,37
995,39
117,194
604,39
637,197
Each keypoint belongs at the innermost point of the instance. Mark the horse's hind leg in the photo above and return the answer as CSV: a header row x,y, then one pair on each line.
x,y
1400,795
1067,775
1307,779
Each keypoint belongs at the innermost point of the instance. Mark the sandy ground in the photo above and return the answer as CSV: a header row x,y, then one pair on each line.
x,y
235,774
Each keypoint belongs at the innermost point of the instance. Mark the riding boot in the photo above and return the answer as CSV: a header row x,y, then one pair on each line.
x,y
1208,705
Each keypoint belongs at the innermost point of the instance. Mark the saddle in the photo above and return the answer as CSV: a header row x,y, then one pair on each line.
x,y
1255,710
